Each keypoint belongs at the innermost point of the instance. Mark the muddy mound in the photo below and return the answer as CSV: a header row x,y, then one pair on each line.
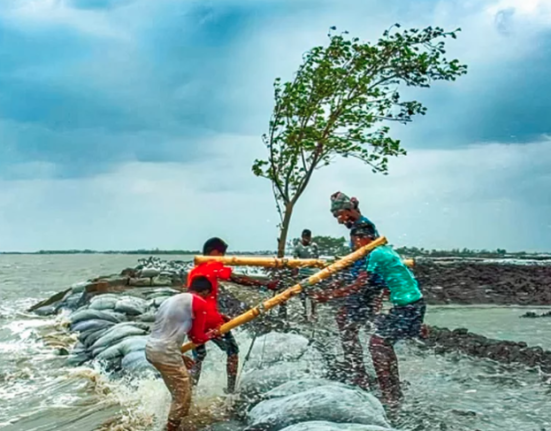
x,y
444,340
484,283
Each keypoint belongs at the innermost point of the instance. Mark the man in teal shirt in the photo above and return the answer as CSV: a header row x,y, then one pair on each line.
x,y
403,321
385,269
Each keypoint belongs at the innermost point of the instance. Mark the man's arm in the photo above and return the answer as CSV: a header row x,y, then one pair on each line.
x,y
361,282
341,292
243,280
197,332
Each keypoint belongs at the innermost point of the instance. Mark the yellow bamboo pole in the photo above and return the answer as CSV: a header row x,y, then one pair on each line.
x,y
296,289
265,262
271,262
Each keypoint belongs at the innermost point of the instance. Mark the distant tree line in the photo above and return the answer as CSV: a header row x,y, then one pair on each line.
x,y
338,246
327,245
465,252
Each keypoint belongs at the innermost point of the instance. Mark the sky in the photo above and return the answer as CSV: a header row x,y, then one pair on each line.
x,y
129,124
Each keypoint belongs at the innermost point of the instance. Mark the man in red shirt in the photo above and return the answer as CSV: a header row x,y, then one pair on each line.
x,y
181,315
215,271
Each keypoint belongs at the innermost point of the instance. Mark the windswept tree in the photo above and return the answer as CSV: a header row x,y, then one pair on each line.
x,y
340,103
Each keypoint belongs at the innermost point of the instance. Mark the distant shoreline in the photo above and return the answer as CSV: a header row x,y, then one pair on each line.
x,y
403,251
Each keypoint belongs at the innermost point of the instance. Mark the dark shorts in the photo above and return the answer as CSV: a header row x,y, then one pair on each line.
x,y
361,314
401,322
226,343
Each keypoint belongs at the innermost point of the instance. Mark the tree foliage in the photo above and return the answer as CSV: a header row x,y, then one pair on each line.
x,y
338,103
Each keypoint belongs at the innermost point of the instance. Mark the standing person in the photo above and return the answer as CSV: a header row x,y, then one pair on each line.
x,y
215,271
347,212
361,301
403,321
306,249
181,315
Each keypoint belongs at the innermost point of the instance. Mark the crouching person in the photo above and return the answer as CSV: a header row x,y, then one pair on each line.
x,y
181,315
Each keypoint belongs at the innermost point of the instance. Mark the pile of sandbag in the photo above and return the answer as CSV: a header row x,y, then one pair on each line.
x,y
285,390
113,329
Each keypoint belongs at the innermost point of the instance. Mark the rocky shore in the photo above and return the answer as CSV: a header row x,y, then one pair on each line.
x,y
458,282
444,340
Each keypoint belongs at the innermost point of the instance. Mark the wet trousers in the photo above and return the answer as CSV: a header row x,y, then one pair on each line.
x,y
177,380
353,352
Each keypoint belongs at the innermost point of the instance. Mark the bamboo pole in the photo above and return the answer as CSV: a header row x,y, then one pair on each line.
x,y
272,262
295,290
265,262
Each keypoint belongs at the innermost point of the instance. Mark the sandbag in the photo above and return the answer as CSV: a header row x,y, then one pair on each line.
x,y
76,359
87,314
149,272
113,336
123,348
162,281
136,363
131,306
163,291
147,317
78,348
46,310
257,381
91,325
331,426
88,338
142,325
325,403
224,426
275,347
70,302
79,287
298,386
103,302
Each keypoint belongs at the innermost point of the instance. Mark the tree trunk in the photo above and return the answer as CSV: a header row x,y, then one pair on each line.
x,y
282,240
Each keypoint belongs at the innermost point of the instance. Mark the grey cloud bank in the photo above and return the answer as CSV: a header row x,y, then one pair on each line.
x,y
134,124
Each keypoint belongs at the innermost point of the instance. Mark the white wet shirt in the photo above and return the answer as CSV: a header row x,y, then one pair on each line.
x,y
174,319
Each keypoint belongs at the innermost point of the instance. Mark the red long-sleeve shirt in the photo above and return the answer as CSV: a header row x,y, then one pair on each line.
x,y
213,271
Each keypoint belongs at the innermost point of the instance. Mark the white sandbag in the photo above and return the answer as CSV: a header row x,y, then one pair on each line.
x,y
103,302
331,426
325,403
87,314
149,272
131,306
258,381
123,348
114,335
275,347
297,386
91,325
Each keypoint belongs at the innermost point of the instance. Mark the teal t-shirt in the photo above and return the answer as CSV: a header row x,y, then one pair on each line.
x,y
387,264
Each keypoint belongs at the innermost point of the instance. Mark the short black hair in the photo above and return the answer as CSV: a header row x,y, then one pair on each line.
x,y
364,230
200,284
306,232
214,244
